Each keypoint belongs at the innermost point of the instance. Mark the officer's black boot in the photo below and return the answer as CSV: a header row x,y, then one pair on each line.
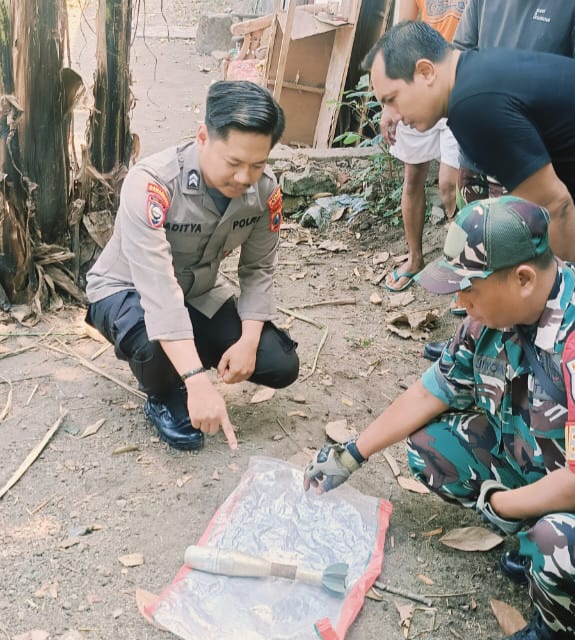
x,y
537,629
171,419
433,350
514,566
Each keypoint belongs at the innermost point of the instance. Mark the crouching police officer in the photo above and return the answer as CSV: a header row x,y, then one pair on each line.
x,y
155,292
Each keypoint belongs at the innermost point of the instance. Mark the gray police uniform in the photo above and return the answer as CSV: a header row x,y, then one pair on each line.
x,y
157,278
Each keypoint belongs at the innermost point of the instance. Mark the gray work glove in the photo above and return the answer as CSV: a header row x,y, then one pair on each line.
x,y
485,510
331,466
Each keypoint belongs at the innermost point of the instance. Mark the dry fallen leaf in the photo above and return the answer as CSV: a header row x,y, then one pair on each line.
x,y
401,299
375,298
93,598
263,394
94,334
297,414
299,399
332,245
298,276
301,458
277,437
72,634
35,634
405,614
402,258
132,559
216,475
423,578
508,618
374,594
69,542
411,484
48,589
125,449
392,464
145,600
435,532
471,539
339,431
380,258
93,428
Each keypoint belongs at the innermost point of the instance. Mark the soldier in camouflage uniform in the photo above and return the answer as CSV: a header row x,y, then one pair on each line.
x,y
481,429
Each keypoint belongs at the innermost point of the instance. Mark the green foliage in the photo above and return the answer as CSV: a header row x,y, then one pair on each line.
x,y
382,181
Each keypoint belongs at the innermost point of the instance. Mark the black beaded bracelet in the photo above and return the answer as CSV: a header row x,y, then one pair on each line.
x,y
192,372
352,448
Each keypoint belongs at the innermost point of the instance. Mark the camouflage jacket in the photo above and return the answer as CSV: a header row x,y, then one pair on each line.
x,y
486,370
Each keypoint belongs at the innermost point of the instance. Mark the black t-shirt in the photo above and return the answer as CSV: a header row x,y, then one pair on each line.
x,y
513,112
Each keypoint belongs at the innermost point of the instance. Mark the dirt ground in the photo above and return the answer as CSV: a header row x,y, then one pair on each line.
x,y
85,501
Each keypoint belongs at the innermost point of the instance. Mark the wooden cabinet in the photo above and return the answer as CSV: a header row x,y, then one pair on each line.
x,y
307,64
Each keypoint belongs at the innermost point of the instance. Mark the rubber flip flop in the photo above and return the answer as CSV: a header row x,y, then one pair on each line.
x,y
397,276
455,310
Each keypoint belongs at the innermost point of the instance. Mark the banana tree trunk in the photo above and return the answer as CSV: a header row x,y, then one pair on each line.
x,y
38,36
109,139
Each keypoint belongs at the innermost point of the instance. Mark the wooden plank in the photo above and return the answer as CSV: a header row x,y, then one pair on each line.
x,y
335,80
299,87
247,26
285,42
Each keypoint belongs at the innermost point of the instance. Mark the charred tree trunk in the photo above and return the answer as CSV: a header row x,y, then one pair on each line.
x,y
109,139
38,35
16,268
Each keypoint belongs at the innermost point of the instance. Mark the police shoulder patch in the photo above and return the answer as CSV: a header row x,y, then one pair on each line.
x,y
157,205
275,206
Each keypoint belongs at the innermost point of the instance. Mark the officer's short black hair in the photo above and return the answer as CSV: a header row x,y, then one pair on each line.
x,y
403,45
243,106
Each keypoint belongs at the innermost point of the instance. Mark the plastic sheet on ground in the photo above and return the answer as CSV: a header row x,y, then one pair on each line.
x,y
320,214
269,515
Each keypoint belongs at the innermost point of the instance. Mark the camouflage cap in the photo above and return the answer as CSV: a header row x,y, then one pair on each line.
x,y
485,236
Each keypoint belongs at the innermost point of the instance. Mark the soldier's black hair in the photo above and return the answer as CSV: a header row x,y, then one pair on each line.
x,y
403,45
243,106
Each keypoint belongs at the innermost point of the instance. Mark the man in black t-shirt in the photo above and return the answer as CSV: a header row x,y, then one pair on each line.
x,y
511,112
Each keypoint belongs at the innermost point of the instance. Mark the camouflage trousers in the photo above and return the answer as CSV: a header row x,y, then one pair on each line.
x,y
472,185
455,455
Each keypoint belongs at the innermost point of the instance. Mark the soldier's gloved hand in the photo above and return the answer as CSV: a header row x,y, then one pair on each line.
x,y
332,466
488,515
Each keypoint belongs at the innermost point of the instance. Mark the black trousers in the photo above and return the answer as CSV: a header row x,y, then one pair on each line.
x,y
120,318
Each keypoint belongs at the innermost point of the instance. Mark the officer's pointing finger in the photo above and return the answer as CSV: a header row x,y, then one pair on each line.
x,y
228,429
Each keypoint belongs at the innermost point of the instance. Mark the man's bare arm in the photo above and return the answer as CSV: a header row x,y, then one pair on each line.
x,y
545,189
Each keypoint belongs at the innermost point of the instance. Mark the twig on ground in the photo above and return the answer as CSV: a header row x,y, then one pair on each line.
x,y
451,595
315,323
31,395
32,346
43,504
8,354
31,334
325,303
290,436
100,351
68,351
8,404
299,316
369,409
33,377
405,594
31,457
